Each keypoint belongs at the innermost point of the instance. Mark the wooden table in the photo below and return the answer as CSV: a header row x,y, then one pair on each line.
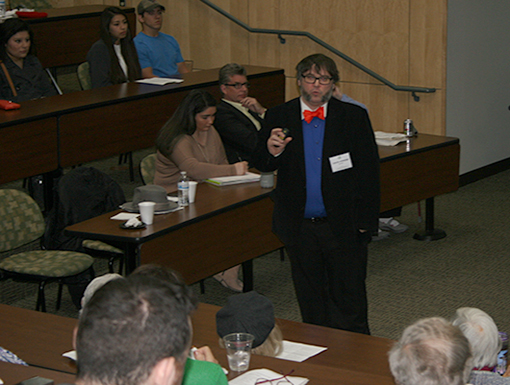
x,y
422,168
66,130
12,374
231,225
350,358
224,227
77,28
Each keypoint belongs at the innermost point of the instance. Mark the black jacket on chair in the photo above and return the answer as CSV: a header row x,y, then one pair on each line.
x,y
81,194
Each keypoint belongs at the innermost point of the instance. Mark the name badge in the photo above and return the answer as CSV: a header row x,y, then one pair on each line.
x,y
340,162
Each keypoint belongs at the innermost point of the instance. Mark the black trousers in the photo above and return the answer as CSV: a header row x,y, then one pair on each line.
x,y
329,277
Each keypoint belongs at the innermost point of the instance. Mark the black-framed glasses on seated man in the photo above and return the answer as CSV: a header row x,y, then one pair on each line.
x,y
324,80
238,86
283,380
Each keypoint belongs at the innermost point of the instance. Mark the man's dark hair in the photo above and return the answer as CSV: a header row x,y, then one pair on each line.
x,y
130,325
318,62
229,70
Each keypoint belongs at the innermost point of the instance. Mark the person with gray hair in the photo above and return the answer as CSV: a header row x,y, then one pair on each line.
x,y
482,334
431,351
239,117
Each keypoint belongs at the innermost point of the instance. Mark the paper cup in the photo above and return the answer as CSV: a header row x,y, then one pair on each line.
x,y
147,212
192,191
267,179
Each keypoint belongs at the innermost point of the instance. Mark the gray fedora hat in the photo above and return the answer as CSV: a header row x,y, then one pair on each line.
x,y
150,193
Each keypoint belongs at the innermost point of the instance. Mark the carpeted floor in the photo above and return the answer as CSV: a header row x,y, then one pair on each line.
x,y
407,279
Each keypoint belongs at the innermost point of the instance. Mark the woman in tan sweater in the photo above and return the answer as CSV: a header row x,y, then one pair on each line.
x,y
188,142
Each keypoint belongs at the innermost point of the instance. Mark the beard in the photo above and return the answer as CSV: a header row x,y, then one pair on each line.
x,y
325,98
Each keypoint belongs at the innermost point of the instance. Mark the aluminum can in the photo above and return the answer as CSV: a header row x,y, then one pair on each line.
x,y
408,127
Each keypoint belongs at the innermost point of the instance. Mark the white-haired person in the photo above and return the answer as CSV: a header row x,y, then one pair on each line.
x,y
431,351
482,334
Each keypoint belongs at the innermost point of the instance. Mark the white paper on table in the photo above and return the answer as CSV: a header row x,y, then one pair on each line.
x,y
159,81
172,199
252,376
71,354
298,352
389,138
124,216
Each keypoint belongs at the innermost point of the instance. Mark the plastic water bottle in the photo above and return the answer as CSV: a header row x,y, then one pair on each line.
x,y
2,8
182,188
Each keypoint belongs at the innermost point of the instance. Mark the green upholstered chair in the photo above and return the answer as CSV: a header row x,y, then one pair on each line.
x,y
83,72
148,169
21,223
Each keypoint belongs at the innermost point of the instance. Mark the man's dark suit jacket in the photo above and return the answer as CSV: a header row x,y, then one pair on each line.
x,y
351,196
238,133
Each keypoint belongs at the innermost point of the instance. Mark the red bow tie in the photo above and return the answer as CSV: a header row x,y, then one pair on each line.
x,y
309,115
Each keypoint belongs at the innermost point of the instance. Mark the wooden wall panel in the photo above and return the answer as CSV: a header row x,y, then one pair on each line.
x,y
402,40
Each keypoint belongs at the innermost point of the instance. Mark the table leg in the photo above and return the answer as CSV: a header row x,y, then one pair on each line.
x,y
132,251
247,276
430,234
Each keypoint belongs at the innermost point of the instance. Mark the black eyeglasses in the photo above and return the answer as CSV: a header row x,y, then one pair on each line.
x,y
275,381
324,80
238,86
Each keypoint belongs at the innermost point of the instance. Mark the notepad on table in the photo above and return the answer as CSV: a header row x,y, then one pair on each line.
x,y
229,180
159,81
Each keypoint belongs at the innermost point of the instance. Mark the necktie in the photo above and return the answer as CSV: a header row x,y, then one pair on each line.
x,y
309,115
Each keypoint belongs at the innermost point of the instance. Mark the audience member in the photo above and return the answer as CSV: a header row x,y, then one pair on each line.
x,y
326,201
202,367
251,313
482,334
22,76
239,117
113,58
188,142
159,53
136,331
431,352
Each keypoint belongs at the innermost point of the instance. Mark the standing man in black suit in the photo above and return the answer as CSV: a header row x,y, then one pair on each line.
x,y
238,116
326,202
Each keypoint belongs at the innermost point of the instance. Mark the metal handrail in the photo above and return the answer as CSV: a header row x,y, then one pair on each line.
x,y
280,32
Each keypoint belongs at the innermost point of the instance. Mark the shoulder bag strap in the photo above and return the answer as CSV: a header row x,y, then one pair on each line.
x,y
9,80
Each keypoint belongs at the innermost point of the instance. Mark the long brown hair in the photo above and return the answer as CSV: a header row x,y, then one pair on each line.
x,y
127,48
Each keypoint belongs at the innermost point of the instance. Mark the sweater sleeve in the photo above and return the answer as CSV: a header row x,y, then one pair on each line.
x,y
99,61
196,165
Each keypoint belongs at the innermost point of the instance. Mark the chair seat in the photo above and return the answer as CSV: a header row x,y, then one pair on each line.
x,y
47,263
98,245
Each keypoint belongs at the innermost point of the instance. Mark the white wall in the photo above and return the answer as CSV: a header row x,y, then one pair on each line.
x,y
478,80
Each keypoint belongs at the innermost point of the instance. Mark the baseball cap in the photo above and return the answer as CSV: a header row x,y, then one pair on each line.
x,y
148,5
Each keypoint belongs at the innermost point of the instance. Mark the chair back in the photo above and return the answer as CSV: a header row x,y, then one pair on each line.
x,y
84,76
148,169
21,220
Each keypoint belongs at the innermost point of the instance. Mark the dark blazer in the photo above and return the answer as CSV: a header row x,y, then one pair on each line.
x,y
238,133
30,82
351,196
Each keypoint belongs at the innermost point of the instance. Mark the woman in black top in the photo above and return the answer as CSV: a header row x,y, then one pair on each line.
x,y
113,58
21,74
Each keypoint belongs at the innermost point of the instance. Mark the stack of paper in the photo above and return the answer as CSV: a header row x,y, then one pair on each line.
x,y
159,81
389,138
257,375
228,180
